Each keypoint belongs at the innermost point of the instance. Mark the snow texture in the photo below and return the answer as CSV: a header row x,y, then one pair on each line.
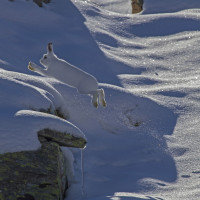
x,y
145,143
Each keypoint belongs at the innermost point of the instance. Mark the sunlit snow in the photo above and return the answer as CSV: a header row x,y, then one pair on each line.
x,y
145,143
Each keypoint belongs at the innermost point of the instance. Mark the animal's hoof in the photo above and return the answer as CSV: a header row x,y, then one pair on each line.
x,y
104,103
95,104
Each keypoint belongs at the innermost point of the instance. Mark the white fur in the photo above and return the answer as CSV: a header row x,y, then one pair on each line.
x,y
70,75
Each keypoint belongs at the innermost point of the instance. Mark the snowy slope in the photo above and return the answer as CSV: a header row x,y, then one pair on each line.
x,y
144,144
163,52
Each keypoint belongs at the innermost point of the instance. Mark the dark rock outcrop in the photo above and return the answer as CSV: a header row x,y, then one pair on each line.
x,y
40,174
37,175
39,2
33,175
63,139
137,6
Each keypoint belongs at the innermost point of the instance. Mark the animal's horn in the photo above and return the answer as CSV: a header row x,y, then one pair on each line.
x,y
50,47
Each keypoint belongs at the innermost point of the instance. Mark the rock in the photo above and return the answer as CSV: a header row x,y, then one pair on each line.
x,y
37,175
63,139
33,175
39,2
137,6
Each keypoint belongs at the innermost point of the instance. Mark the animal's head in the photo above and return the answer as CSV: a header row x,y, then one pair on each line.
x,y
49,56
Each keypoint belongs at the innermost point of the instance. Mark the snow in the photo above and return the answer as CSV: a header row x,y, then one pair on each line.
x,y
20,119
145,143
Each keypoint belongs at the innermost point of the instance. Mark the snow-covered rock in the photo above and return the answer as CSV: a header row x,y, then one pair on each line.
x,y
23,97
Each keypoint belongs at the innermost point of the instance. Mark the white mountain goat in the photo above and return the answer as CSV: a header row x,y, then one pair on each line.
x,y
70,75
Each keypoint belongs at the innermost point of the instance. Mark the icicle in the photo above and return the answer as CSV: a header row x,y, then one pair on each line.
x,y
82,174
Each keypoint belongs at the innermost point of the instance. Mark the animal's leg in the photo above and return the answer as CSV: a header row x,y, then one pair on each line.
x,y
30,67
102,100
95,99
33,67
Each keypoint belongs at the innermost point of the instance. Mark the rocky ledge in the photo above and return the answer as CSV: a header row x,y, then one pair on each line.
x,y
39,2
137,6
40,174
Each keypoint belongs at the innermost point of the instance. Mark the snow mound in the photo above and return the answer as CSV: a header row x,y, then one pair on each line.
x,y
21,119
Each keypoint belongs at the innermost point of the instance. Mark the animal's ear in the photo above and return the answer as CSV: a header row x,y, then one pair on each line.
x,y
50,47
